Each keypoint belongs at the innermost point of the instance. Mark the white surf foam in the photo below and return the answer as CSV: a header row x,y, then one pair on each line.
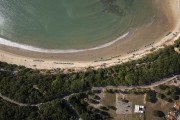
x,y
43,50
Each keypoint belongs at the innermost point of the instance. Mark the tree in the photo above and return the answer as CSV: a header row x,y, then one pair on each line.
x,y
174,97
104,108
161,96
167,91
162,87
168,100
129,78
151,96
158,113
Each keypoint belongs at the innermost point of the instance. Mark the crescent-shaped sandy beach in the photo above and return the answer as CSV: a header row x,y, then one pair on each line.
x,y
164,29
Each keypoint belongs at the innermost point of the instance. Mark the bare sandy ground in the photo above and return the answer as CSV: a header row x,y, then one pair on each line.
x,y
164,29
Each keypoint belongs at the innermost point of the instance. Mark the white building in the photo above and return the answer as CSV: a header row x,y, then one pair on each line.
x,y
139,109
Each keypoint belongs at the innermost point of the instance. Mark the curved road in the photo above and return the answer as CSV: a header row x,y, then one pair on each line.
x,y
151,86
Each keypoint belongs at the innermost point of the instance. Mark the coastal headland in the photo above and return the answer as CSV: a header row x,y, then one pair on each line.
x,y
164,29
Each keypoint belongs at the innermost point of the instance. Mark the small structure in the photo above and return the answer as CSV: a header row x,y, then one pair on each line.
x,y
178,118
177,106
139,109
172,116
175,114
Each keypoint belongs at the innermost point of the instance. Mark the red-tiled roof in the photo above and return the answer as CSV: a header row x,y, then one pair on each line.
x,y
172,114
170,117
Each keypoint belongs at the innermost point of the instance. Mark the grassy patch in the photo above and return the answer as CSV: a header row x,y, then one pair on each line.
x,y
110,100
159,105
136,100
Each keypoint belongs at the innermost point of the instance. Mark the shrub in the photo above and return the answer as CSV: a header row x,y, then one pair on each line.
x,y
158,113
151,97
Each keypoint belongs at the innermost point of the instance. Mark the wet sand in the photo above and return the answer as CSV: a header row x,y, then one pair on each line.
x,y
137,44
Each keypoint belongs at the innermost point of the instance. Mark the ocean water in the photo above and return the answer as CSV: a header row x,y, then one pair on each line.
x,y
71,24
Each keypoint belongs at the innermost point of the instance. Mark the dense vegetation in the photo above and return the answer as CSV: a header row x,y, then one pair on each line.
x,y
32,86
56,110
151,96
169,93
166,93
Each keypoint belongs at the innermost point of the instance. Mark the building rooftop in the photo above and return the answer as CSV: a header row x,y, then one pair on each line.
x,y
139,109
171,117
178,118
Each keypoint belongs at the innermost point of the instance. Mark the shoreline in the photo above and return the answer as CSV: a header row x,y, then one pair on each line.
x,y
36,61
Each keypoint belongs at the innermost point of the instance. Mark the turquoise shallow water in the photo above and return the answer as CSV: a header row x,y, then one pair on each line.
x,y
71,24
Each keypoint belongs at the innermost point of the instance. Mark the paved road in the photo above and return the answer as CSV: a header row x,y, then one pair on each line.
x,y
97,88
12,101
